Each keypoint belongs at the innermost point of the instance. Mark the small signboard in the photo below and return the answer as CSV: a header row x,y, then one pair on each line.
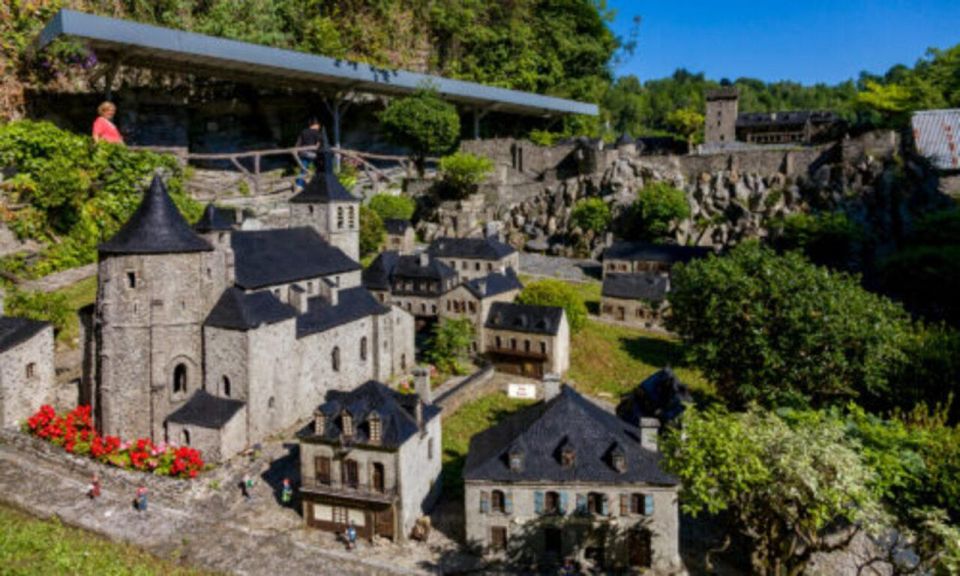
x,y
525,391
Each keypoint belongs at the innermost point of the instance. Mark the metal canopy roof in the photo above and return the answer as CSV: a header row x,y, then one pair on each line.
x,y
136,44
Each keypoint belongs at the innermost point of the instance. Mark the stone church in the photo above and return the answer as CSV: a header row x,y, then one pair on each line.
x,y
216,337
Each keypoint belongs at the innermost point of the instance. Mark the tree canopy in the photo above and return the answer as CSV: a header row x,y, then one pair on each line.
x,y
423,123
549,292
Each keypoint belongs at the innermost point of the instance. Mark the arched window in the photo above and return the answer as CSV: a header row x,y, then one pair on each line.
x,y
186,437
496,501
335,358
226,387
180,379
271,403
363,348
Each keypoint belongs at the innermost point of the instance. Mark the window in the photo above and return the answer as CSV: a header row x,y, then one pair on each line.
x,y
322,465
568,456
335,358
473,307
526,346
131,279
378,477
430,449
433,308
31,369
339,217
351,473
271,403
403,361
596,503
551,503
464,265
498,537
180,379
476,266
543,347
513,343
496,501
310,209
499,342
346,424
226,387
489,267
376,428
353,220
185,436
363,348
641,504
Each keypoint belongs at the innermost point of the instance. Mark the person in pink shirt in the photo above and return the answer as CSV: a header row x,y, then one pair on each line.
x,y
104,129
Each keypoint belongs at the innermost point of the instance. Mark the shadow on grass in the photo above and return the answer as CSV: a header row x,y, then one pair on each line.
x,y
593,307
653,351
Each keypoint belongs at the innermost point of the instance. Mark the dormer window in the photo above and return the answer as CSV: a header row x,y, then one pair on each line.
x,y
346,424
618,459
319,423
568,456
515,458
376,428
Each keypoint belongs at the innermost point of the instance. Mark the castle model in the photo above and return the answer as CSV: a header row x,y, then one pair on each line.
x,y
217,337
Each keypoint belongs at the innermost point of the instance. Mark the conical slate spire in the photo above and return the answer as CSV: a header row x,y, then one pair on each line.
x,y
324,186
157,227
213,220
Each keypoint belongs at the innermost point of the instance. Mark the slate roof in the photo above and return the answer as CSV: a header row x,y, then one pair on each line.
x,y
270,257
206,410
157,227
324,186
214,219
396,227
662,395
408,266
540,431
14,331
525,318
478,248
670,253
376,276
493,284
352,304
936,134
396,411
237,310
787,118
642,286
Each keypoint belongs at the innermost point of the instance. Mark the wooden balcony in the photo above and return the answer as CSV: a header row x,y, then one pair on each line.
x,y
363,492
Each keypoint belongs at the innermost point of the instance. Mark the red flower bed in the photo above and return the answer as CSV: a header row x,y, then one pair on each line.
x,y
75,432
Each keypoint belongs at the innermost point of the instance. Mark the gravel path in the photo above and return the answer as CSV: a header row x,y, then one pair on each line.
x,y
571,269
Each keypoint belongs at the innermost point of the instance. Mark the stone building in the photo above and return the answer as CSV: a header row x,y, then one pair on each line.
x,y
414,282
473,299
400,235
327,207
27,375
720,120
371,458
724,126
639,299
218,337
565,477
633,257
527,340
475,257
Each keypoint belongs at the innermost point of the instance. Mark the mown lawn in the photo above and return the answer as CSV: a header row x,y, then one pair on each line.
x,y
608,361
31,546
461,426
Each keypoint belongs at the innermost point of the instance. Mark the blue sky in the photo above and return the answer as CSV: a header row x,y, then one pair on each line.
x,y
808,41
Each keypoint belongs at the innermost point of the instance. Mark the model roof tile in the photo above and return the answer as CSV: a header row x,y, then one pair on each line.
x,y
641,286
352,304
14,331
324,186
376,276
157,227
540,431
524,318
270,257
215,219
396,226
936,134
478,248
237,310
493,284
206,411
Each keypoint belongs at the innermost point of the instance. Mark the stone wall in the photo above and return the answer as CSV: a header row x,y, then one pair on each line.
x,y
21,394
474,386
420,460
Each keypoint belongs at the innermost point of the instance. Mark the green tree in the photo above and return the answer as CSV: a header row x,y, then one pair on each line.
x,y
829,239
779,330
657,209
450,344
424,123
792,490
551,292
393,207
372,231
591,214
462,172
687,123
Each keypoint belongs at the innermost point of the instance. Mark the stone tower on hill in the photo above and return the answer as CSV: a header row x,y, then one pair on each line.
x,y
153,295
720,121
327,207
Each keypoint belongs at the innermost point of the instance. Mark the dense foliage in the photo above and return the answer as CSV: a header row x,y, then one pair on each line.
x,y
372,231
549,292
69,193
657,209
462,172
779,330
829,239
423,123
52,307
450,344
591,214
393,206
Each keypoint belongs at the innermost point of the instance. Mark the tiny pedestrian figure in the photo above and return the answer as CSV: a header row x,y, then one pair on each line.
x,y
351,536
312,136
141,498
246,486
286,493
93,491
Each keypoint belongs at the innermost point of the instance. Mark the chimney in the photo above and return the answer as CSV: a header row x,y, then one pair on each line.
x,y
649,430
482,286
319,422
551,386
298,298
424,259
418,413
421,383
333,296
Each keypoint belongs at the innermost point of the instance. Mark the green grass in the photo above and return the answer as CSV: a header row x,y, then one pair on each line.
x,y
462,425
78,295
31,546
608,361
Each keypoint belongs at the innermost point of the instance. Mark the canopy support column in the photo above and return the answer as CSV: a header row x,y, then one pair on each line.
x,y
337,106
478,115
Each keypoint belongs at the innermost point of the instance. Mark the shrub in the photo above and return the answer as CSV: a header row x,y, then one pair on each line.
x,y
450,344
591,214
389,206
423,122
657,208
372,231
51,307
830,239
551,292
462,172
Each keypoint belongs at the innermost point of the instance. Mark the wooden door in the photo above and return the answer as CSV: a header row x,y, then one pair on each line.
x,y
384,523
641,552
351,475
378,482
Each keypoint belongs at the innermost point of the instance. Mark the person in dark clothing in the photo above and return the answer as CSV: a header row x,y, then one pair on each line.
x,y
311,136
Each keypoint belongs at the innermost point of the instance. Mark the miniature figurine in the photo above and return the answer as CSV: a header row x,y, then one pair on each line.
x,y
141,498
93,491
286,493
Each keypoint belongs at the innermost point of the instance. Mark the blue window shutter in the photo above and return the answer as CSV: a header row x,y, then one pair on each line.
x,y
581,503
563,502
484,502
508,503
538,502
604,510
648,505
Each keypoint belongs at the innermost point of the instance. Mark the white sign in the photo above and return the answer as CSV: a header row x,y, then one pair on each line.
x,y
525,391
